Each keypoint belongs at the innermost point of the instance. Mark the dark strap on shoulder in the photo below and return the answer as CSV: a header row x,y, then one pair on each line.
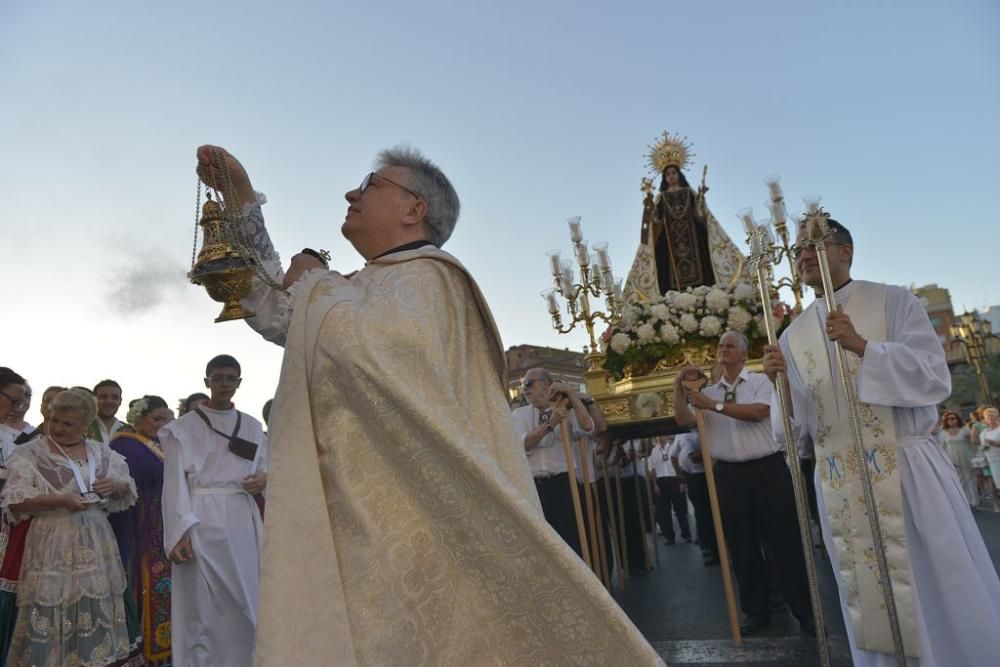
x,y
239,420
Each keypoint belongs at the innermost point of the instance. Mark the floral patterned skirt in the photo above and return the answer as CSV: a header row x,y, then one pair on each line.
x,y
71,608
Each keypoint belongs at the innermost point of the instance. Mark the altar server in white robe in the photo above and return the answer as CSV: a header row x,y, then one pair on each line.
x,y
945,585
212,529
403,526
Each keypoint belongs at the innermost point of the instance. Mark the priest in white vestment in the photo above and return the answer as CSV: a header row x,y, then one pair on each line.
x,y
212,528
945,586
402,525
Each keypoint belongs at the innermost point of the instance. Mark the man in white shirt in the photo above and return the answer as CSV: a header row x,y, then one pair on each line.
x,y
216,459
686,457
672,492
109,398
551,407
753,481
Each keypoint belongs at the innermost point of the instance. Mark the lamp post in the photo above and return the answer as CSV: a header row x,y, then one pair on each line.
x,y
972,333
596,280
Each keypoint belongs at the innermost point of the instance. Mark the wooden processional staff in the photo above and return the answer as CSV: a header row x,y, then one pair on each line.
x,y
640,510
696,384
616,549
650,483
596,542
575,494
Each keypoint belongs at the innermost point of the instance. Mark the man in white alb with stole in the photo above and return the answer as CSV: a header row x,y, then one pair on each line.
x,y
945,587
215,459
403,527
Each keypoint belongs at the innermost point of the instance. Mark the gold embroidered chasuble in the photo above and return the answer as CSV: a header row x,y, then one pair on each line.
x,y
840,472
402,524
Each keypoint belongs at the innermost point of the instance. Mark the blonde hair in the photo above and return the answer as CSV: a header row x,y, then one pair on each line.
x,y
76,400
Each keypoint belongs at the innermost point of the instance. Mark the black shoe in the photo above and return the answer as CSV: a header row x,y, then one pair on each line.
x,y
669,540
711,560
754,624
688,539
808,627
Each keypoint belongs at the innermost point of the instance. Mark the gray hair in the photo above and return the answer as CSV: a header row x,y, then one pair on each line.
x,y
744,341
543,374
76,400
428,181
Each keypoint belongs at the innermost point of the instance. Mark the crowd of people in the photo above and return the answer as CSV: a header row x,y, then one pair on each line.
x,y
416,519
103,519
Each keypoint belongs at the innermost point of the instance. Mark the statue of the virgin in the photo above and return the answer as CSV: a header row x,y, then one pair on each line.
x,y
682,244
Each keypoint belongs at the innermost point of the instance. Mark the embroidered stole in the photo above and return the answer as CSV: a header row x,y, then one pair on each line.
x,y
840,473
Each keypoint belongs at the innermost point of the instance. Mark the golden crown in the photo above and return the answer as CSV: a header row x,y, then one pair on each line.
x,y
670,150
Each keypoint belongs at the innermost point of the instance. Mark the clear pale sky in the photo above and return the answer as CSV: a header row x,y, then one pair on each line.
x,y
536,111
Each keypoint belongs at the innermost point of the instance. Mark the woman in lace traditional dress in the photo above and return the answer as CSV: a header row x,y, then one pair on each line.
x,y
139,529
71,608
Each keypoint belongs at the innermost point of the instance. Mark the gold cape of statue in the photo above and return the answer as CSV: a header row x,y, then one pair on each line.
x,y
402,523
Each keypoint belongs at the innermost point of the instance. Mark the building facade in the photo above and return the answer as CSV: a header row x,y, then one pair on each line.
x,y
566,365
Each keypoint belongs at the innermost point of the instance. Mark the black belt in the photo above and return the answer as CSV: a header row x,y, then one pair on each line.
x,y
748,461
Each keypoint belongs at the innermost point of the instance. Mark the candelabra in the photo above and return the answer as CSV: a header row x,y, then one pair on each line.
x,y
596,280
972,334
780,248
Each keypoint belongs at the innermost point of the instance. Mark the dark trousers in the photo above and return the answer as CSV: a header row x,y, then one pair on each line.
x,y
698,490
756,499
671,497
632,504
557,506
808,468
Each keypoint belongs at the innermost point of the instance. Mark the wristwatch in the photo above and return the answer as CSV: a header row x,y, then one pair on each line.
x,y
719,407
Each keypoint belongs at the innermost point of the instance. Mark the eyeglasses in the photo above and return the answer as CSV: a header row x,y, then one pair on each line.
x,y
228,379
14,403
527,383
366,183
798,249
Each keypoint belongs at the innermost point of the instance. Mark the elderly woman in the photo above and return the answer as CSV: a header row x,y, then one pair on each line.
x,y
139,529
957,442
71,608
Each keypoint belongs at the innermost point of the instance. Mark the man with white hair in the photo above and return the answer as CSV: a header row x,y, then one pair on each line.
x,y
403,526
753,481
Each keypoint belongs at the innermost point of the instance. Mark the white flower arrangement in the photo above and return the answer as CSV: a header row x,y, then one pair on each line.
x,y
135,410
655,329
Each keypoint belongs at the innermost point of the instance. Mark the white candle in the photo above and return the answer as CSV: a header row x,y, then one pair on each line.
x,y
575,233
553,256
778,212
550,298
567,277
618,289
602,255
608,279
812,203
774,187
582,256
746,217
595,275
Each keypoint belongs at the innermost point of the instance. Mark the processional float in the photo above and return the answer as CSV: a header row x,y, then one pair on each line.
x,y
634,389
